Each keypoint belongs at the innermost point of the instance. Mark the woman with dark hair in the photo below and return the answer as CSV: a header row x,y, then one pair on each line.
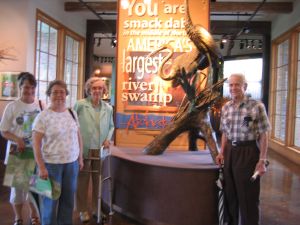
x,y
58,153
16,125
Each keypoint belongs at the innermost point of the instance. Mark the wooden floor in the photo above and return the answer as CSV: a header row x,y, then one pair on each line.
x,y
280,198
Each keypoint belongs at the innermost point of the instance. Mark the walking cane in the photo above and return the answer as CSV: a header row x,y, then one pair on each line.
x,y
220,185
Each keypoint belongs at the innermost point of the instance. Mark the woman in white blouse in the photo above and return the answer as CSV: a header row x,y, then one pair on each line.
x,y
58,153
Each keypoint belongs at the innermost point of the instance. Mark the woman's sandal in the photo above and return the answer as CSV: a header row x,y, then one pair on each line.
x,y
35,221
18,222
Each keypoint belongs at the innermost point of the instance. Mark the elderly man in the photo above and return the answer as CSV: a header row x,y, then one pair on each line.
x,y
244,143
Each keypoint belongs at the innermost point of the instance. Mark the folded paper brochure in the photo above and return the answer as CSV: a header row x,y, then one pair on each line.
x,y
48,188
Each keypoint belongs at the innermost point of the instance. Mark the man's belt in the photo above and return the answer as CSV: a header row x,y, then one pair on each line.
x,y
242,143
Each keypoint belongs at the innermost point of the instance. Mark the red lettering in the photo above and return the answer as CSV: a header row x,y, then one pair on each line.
x,y
140,121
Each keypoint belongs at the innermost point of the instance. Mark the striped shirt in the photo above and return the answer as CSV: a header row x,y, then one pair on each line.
x,y
244,122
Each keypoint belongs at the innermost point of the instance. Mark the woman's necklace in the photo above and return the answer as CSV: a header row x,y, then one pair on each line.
x,y
95,104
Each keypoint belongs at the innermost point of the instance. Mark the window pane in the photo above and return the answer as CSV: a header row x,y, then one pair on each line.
x,y
38,35
42,87
255,89
281,91
69,48
73,95
297,121
298,47
281,99
71,68
46,56
280,127
283,52
68,72
43,66
298,104
44,37
251,68
282,78
37,64
75,51
53,41
298,73
297,133
52,68
68,101
297,116
69,97
74,74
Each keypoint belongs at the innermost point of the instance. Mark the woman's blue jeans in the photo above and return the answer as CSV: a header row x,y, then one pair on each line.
x,y
60,211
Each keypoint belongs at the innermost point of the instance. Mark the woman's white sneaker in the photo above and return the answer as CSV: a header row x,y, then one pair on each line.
x,y
84,217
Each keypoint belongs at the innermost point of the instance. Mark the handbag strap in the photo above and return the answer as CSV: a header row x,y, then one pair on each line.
x,y
72,114
40,104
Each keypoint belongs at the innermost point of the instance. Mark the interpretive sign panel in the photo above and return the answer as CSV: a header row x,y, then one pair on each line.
x,y
143,28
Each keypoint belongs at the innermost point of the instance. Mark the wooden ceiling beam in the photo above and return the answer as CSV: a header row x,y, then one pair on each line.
x,y
233,27
243,7
97,6
215,7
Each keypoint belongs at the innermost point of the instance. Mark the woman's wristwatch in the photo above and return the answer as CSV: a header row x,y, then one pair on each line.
x,y
265,161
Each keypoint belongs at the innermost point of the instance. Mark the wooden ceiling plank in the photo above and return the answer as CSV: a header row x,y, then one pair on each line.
x,y
97,6
215,7
242,7
233,27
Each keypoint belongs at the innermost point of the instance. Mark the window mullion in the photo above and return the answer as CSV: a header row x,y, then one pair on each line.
x,y
48,54
60,55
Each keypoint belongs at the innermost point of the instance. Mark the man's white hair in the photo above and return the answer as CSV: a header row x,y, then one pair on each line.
x,y
241,76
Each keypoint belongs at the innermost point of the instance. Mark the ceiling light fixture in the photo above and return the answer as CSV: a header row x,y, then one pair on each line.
x,y
246,30
113,42
242,44
248,44
97,71
99,42
124,4
260,44
221,45
253,44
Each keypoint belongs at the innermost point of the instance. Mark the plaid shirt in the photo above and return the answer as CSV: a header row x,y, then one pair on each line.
x,y
245,122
